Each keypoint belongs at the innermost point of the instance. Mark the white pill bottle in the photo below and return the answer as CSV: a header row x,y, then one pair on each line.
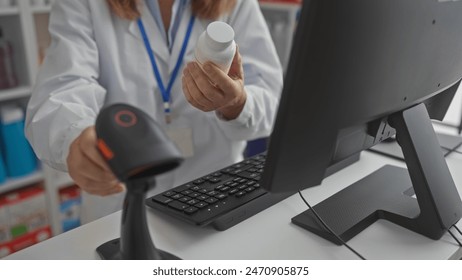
x,y
216,44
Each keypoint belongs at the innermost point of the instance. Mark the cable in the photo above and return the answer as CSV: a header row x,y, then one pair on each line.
x,y
328,228
456,151
455,238
455,226
449,150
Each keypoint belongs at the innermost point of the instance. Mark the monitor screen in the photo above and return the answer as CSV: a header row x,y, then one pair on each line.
x,y
362,71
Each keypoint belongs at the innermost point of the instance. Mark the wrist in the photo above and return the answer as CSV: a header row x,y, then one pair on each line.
x,y
233,110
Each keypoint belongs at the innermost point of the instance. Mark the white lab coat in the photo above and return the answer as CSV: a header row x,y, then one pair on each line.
x,y
96,58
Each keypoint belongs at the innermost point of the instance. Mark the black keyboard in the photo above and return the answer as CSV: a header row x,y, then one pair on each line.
x,y
222,198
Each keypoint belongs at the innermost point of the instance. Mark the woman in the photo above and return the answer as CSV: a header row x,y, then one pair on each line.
x,y
98,56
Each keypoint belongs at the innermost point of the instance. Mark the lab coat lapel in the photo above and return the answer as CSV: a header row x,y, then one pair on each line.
x,y
176,48
156,40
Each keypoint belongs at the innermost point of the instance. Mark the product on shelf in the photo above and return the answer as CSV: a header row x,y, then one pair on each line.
x,y
23,219
69,207
8,78
6,3
2,170
19,157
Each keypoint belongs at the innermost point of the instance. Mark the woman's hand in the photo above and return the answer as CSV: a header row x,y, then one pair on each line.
x,y
209,88
88,168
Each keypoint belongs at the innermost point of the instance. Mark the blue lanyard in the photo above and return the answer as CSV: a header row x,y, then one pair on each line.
x,y
166,92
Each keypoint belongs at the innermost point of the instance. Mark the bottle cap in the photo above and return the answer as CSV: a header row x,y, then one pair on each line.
x,y
219,35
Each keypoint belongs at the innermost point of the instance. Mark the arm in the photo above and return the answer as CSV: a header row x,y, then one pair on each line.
x,y
67,95
246,102
63,107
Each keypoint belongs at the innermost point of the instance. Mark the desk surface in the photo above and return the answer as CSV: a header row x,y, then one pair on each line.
x,y
267,235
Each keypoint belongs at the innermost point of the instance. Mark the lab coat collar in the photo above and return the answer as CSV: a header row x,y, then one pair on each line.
x,y
156,40
182,29
154,34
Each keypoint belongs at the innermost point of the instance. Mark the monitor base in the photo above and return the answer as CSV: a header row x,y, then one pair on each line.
x,y
353,209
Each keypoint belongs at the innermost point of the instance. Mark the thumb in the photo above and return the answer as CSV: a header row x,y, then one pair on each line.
x,y
236,70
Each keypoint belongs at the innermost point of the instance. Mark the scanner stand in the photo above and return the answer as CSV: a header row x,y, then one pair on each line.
x,y
135,242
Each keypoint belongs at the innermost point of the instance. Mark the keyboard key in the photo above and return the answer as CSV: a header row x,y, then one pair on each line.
x,y
217,174
212,193
198,181
243,187
177,196
193,201
169,193
162,199
203,197
203,191
186,192
211,200
220,187
191,210
184,199
178,205
214,180
250,189
236,171
195,188
241,193
201,204
256,186
250,183
249,175
228,170
221,196
225,189
194,194
183,188
233,191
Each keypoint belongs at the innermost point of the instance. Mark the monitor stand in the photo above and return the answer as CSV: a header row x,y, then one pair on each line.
x,y
389,192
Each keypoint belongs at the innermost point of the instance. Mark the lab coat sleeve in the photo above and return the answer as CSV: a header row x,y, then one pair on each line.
x,y
262,72
67,95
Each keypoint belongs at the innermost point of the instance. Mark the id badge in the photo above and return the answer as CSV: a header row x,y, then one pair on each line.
x,y
183,139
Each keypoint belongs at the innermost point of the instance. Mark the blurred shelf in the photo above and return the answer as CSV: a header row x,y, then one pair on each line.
x,y
280,6
41,9
12,184
9,11
14,93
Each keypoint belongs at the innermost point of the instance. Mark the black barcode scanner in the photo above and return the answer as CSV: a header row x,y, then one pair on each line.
x,y
136,149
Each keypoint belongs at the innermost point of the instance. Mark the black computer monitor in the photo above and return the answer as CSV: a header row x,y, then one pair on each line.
x,y
361,71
